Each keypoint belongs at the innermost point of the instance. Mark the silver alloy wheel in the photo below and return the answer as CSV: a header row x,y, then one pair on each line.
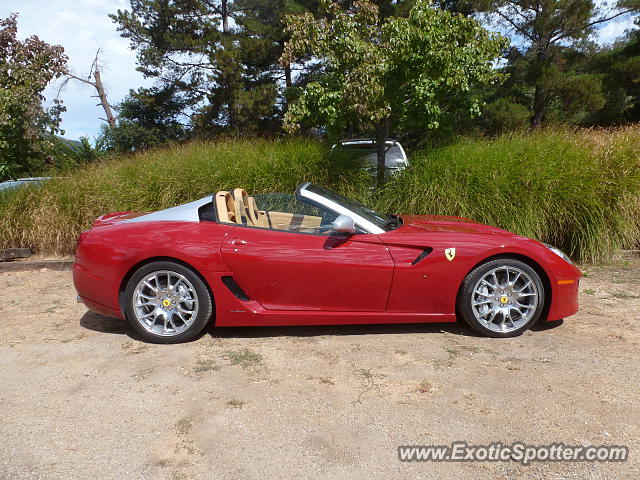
x,y
504,299
165,303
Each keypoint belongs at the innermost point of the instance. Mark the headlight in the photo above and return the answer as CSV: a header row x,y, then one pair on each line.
x,y
559,252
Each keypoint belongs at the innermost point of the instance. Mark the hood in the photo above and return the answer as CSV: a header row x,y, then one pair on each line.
x,y
445,224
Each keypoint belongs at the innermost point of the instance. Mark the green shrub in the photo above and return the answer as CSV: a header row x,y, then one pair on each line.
x,y
504,115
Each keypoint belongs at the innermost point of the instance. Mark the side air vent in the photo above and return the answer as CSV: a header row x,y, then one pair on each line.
x,y
235,288
422,255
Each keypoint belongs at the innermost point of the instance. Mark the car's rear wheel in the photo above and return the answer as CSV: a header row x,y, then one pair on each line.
x,y
166,302
501,298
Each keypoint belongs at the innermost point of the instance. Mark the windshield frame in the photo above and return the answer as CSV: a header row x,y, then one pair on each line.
x,y
364,217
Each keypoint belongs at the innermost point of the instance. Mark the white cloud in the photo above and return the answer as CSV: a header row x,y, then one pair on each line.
x,y
613,30
81,27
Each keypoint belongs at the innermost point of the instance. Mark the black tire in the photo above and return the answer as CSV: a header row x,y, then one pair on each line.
x,y
466,297
202,313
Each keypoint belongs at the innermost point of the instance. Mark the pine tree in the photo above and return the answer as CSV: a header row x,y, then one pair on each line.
x,y
546,30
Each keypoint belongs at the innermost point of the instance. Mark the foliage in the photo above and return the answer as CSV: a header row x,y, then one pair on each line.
x,y
463,7
26,128
619,67
504,115
128,136
549,34
147,117
216,68
411,70
217,59
69,154
571,90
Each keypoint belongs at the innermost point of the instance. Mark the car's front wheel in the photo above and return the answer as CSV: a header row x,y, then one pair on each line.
x,y
501,298
166,302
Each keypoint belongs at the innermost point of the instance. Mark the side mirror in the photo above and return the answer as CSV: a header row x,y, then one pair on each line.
x,y
344,224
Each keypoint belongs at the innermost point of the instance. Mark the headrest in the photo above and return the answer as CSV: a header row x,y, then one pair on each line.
x,y
226,207
241,198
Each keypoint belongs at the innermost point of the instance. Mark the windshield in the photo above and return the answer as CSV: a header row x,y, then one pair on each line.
x,y
381,220
368,151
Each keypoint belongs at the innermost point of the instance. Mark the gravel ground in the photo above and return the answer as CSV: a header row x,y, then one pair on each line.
x,y
82,397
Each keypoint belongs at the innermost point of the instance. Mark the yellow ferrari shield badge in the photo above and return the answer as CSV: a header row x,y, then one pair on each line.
x,y
450,253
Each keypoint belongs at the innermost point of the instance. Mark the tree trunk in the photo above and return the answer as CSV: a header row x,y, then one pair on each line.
x,y
382,133
539,106
288,84
226,76
225,16
287,75
97,84
540,95
102,95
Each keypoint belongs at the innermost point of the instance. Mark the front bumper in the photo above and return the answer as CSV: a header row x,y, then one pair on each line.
x,y
565,285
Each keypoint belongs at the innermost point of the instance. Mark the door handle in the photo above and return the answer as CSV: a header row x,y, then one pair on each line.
x,y
238,242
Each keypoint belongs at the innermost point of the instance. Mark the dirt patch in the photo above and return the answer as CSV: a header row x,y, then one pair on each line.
x,y
82,397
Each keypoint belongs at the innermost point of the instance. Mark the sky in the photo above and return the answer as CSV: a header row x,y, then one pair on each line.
x,y
82,27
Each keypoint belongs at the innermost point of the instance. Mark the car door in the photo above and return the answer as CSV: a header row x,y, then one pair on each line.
x,y
287,270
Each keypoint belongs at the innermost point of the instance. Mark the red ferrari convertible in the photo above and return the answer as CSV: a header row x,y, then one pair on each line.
x,y
314,258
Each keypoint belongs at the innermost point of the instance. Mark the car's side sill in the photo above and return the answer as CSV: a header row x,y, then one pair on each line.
x,y
297,317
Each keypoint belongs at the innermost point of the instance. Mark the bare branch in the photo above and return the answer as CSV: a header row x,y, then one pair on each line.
x,y
515,26
97,84
80,79
606,19
570,33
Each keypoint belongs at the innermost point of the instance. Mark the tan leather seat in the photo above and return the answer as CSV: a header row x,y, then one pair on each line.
x,y
294,222
247,210
259,217
226,207
241,198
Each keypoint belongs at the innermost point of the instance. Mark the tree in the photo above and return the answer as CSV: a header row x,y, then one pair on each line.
x,y
405,71
177,43
619,67
464,7
572,89
26,127
265,19
96,83
503,115
547,29
219,55
147,117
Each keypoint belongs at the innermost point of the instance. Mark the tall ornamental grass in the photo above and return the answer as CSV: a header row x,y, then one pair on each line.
x,y
49,218
579,190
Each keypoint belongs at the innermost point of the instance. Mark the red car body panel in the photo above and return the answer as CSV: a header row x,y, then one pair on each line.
x,y
401,276
291,271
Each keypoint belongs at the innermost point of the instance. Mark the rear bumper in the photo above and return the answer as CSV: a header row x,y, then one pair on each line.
x,y
101,309
98,286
